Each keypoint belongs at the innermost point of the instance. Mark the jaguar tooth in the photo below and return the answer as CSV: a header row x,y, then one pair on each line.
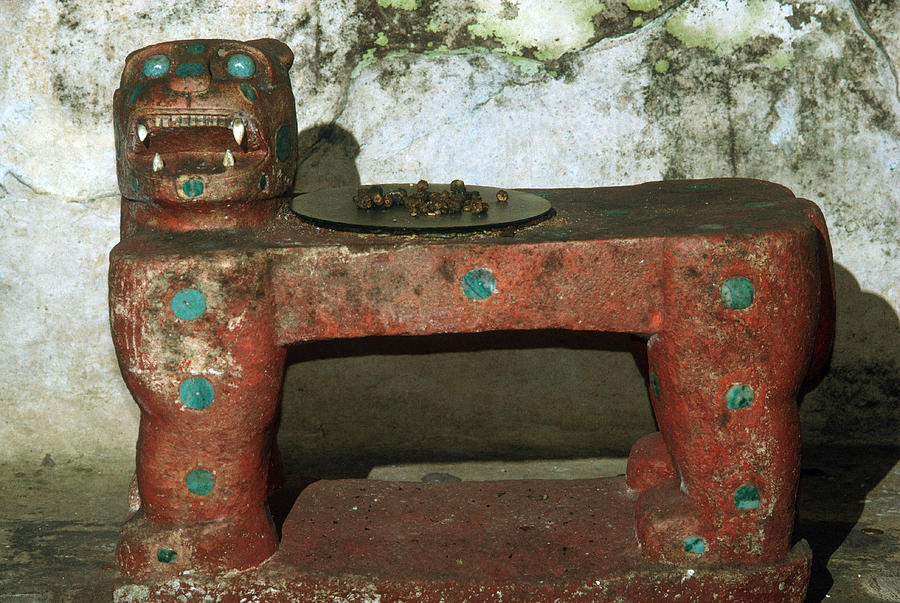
x,y
142,132
237,128
157,163
228,160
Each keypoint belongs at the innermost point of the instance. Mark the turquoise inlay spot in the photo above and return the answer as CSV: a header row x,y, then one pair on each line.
x,y
262,182
694,545
156,65
283,143
196,393
746,497
654,384
479,283
739,396
737,293
200,482
248,92
195,48
240,65
134,184
192,188
697,186
190,69
759,204
136,92
165,555
710,226
188,304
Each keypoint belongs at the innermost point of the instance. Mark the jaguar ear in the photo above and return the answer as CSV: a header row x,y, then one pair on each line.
x,y
279,49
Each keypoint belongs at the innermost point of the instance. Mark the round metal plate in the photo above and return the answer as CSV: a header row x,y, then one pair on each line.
x,y
335,208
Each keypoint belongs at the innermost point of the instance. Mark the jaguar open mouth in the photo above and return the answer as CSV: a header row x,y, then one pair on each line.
x,y
208,143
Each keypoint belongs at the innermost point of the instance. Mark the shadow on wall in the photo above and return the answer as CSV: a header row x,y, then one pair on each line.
x,y
851,430
327,159
856,401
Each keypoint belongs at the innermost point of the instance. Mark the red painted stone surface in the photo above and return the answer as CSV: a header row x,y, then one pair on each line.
x,y
729,281
523,541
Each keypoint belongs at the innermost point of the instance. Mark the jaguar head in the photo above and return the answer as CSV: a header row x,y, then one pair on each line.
x,y
206,122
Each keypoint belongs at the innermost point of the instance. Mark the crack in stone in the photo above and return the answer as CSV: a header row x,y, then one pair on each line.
x,y
864,26
503,87
30,187
32,192
99,197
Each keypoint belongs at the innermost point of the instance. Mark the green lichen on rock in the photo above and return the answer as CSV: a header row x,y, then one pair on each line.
x,y
400,4
526,66
661,66
724,28
396,53
534,36
368,58
778,58
643,6
445,51
549,31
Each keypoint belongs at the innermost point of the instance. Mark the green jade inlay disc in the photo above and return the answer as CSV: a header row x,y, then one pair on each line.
x,y
737,293
156,65
200,482
746,497
240,65
739,396
479,283
192,188
164,555
196,393
188,304
694,545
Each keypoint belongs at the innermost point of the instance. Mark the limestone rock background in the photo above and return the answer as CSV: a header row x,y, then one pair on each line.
x,y
520,94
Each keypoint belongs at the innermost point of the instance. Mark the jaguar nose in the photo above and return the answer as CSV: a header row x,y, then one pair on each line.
x,y
190,77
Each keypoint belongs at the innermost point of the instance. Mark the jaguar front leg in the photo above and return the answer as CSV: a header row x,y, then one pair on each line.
x,y
195,344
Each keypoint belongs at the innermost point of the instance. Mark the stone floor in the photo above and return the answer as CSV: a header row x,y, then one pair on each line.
x,y
59,519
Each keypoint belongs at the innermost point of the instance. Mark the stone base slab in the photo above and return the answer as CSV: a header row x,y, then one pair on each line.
x,y
528,540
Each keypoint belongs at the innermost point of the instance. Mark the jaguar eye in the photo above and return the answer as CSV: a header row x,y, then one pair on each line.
x,y
156,65
240,65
